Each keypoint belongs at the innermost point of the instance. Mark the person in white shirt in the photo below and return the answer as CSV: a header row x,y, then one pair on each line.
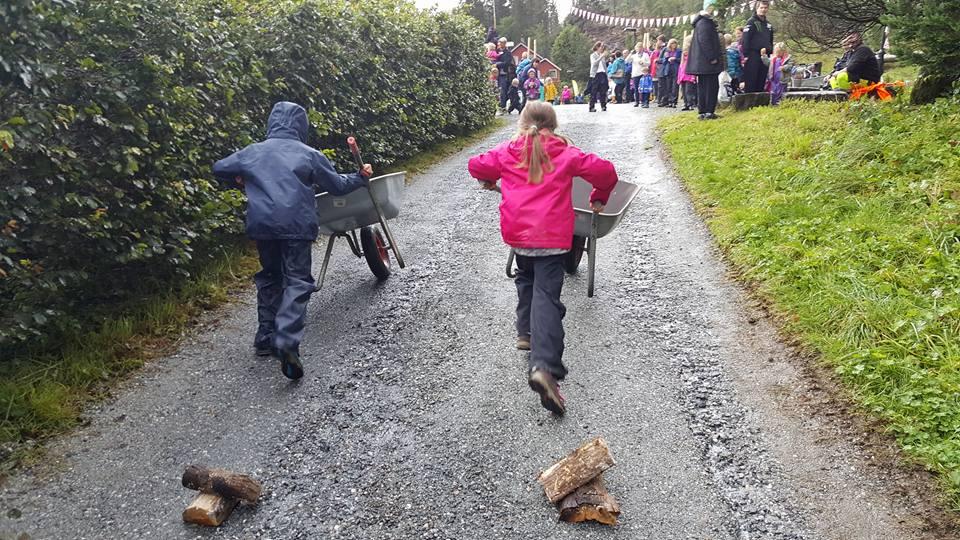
x,y
640,60
598,71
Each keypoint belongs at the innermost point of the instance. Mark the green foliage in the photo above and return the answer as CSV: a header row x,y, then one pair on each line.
x,y
112,112
571,51
927,34
518,20
847,219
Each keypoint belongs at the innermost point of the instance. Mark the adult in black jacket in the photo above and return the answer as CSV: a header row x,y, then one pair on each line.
x,y
757,40
505,71
704,60
862,63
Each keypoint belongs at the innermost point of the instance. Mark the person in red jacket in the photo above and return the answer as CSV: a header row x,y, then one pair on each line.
x,y
536,170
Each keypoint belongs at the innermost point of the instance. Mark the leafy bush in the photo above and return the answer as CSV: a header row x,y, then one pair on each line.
x,y
112,112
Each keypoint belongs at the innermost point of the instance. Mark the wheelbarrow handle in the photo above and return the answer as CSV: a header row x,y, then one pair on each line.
x,y
355,150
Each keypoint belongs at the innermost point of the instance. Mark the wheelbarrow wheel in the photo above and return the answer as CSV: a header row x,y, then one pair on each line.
x,y
375,251
572,261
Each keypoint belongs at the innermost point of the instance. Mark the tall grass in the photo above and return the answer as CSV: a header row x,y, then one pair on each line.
x,y
42,392
847,218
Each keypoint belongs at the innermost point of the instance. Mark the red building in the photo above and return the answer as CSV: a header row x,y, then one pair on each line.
x,y
547,68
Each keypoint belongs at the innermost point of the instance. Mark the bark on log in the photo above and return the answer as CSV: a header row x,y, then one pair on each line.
x,y
575,470
209,509
221,482
590,501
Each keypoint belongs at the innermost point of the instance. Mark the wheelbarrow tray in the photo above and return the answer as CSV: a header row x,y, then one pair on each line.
x,y
613,212
355,210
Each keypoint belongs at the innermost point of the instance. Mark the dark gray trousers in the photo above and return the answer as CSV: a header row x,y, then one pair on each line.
x,y
540,312
284,286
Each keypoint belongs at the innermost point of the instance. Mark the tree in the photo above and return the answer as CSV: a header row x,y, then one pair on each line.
x,y
927,34
571,51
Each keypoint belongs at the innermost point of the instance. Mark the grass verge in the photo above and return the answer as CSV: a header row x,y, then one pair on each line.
x,y
847,220
43,393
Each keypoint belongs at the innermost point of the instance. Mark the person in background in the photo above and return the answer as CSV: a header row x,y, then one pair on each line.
x,y
536,170
654,55
491,53
706,61
638,60
861,63
566,96
550,94
615,71
781,65
531,87
757,40
686,81
598,71
734,66
493,35
505,71
668,65
627,77
513,94
644,87
279,176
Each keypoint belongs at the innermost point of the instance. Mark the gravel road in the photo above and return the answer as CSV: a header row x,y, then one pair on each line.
x,y
414,419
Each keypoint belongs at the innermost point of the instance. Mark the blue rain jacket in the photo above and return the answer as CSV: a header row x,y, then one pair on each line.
x,y
279,175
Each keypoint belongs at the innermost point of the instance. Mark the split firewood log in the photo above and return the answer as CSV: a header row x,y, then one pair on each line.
x,y
581,466
590,501
209,509
222,482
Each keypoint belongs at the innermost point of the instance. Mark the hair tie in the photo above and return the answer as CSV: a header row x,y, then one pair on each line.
x,y
534,127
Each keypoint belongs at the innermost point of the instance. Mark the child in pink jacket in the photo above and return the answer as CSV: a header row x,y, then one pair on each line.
x,y
536,170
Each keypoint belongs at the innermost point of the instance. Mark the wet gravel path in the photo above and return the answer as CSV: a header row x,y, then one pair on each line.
x,y
414,419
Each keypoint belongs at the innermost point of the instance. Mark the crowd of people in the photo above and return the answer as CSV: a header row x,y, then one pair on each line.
x,y
518,83
703,69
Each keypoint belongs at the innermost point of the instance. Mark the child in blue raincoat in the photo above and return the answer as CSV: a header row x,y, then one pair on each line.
x,y
279,175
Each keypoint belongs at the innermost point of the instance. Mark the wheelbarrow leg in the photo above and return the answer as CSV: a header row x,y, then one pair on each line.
x,y
592,255
326,261
386,228
510,273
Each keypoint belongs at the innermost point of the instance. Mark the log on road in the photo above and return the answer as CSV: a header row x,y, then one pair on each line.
x,y
581,466
590,501
222,482
209,509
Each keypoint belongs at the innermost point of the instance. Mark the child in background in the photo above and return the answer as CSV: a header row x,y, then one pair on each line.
x,y
536,169
279,176
734,64
566,96
645,87
491,53
781,66
531,86
549,90
686,81
513,96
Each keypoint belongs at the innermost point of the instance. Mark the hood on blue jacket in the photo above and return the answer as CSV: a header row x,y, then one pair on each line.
x,y
287,121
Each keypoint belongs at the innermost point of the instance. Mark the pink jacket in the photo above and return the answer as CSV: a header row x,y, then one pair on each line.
x,y
682,75
540,215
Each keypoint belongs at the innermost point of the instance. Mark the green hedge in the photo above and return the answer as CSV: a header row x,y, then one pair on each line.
x,y
111,113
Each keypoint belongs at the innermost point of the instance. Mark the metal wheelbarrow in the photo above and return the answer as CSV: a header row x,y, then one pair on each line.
x,y
361,217
589,226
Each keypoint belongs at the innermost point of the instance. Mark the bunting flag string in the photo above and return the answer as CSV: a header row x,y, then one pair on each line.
x,y
654,22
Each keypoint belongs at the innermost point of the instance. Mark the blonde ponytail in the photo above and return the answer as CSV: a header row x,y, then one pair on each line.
x,y
536,115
